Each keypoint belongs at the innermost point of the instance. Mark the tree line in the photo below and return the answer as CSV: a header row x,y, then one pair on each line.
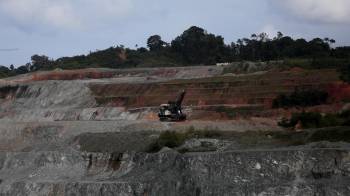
x,y
195,46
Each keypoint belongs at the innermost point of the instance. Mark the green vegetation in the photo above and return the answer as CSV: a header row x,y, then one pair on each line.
x,y
316,120
195,46
7,72
301,98
319,62
173,139
331,134
345,73
4,72
250,139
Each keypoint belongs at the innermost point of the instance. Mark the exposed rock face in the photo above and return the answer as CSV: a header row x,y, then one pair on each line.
x,y
279,172
245,89
108,98
71,136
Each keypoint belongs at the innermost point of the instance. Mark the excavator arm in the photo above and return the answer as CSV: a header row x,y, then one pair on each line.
x,y
172,111
180,98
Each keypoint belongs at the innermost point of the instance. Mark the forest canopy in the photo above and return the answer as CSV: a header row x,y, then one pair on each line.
x,y
195,46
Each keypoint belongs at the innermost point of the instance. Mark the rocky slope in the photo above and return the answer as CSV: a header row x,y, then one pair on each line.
x,y
90,132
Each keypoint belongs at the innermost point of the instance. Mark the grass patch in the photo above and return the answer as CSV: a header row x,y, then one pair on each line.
x,y
301,98
332,135
309,120
248,139
251,139
292,138
316,63
298,62
173,139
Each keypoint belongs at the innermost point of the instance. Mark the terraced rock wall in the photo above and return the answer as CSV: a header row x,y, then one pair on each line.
x,y
246,89
87,133
323,172
224,97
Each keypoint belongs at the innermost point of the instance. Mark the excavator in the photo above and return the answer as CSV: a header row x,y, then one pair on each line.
x,y
172,111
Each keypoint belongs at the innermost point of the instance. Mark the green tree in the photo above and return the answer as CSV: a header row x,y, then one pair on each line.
x,y
196,46
155,43
4,71
279,35
21,70
41,62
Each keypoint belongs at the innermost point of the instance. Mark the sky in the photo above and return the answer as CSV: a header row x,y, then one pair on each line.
x,y
57,28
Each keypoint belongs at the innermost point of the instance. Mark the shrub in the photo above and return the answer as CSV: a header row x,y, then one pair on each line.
x,y
173,139
301,98
307,120
297,62
345,115
328,62
316,120
345,73
169,139
332,135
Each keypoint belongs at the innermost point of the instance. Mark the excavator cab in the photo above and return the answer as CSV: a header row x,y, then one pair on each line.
x,y
172,111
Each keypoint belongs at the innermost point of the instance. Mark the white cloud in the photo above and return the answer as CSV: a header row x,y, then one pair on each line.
x,y
63,13
53,13
325,11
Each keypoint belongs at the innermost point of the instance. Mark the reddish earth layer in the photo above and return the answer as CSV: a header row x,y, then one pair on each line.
x,y
250,89
339,91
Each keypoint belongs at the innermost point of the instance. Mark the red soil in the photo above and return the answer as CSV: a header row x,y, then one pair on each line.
x,y
339,91
260,89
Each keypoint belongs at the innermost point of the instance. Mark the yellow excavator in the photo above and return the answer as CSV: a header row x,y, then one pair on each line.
x,y
172,111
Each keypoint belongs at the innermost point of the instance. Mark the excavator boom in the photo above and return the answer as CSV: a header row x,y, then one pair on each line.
x,y
180,98
172,111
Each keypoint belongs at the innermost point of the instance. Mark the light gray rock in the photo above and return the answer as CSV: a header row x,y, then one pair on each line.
x,y
324,172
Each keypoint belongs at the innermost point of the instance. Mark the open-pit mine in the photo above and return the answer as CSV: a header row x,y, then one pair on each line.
x,y
97,132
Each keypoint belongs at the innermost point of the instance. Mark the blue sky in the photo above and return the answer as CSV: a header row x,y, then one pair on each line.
x,y
70,27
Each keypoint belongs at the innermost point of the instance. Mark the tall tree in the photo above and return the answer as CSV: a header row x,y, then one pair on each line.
x,y
196,46
40,62
155,43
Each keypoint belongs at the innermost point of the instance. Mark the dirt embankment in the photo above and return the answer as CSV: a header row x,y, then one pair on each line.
x,y
165,73
251,89
227,97
208,98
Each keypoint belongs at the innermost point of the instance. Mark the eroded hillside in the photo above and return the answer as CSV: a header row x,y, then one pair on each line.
x,y
96,132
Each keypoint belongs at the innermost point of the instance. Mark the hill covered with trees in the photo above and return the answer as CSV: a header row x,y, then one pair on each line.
x,y
195,46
